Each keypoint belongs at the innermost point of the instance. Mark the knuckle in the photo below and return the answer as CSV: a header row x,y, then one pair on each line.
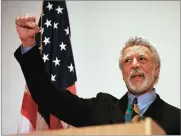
x,y
17,18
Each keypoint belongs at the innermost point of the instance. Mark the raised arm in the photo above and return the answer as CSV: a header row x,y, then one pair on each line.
x,y
63,104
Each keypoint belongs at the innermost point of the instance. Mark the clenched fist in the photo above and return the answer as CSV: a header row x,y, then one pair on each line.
x,y
27,29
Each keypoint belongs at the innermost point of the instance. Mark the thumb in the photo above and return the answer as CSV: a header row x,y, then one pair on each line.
x,y
33,32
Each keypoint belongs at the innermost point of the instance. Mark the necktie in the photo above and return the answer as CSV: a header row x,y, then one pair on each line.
x,y
133,113
136,111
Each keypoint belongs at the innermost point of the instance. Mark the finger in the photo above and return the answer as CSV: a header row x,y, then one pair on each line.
x,y
20,22
31,18
30,21
31,25
32,32
17,21
23,21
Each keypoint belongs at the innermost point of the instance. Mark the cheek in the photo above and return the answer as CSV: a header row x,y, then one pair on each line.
x,y
148,69
125,72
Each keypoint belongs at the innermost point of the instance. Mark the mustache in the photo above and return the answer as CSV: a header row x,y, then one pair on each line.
x,y
135,72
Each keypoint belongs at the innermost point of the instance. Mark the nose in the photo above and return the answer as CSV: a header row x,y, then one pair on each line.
x,y
135,63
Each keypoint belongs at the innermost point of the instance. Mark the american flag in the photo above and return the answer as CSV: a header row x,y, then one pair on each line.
x,y
55,46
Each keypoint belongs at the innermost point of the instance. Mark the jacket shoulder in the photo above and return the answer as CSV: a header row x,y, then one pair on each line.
x,y
172,110
171,115
105,96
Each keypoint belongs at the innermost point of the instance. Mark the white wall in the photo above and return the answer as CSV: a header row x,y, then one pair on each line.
x,y
99,30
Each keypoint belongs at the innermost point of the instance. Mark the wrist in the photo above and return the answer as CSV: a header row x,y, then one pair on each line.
x,y
28,42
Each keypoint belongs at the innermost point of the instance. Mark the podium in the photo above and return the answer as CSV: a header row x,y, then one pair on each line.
x,y
146,127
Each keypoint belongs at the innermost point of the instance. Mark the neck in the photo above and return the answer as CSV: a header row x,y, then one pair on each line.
x,y
143,92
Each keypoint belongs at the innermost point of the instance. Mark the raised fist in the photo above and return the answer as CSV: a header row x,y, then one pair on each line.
x,y
27,29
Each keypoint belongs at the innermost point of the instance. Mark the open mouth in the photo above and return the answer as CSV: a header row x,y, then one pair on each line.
x,y
137,76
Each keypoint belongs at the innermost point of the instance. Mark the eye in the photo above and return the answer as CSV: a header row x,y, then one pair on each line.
x,y
127,60
142,58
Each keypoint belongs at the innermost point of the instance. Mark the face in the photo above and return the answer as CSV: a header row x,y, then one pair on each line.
x,y
138,68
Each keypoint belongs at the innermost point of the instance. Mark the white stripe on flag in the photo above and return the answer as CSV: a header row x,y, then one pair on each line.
x,y
24,126
65,125
41,123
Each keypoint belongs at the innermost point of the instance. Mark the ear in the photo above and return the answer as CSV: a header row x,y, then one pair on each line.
x,y
157,70
121,71
123,78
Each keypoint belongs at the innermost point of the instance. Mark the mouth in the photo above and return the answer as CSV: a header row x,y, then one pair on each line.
x,y
138,76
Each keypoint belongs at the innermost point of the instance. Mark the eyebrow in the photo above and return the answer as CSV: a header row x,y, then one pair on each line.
x,y
129,56
143,55
126,57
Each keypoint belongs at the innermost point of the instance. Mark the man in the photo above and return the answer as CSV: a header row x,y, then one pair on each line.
x,y
140,66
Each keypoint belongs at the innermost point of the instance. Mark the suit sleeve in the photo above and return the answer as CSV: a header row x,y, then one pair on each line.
x,y
63,104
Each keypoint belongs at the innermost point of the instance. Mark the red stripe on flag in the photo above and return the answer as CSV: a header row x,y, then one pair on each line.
x,y
72,89
55,123
29,109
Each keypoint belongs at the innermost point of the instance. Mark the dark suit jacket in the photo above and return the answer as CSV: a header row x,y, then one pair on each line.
x,y
99,110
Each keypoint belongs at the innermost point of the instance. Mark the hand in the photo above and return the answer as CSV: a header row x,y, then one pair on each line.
x,y
27,29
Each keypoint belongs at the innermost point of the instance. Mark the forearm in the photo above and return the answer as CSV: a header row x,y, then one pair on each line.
x,y
35,76
62,104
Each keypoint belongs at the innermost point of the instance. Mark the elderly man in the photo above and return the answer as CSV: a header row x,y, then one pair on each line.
x,y
140,67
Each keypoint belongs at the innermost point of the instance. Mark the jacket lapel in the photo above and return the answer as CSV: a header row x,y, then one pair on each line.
x,y
155,109
123,102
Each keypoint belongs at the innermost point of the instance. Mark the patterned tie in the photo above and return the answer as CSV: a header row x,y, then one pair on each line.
x,y
133,113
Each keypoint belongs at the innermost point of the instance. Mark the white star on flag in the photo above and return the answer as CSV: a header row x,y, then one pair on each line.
x,y
48,23
59,10
55,25
67,30
57,61
62,46
49,6
45,57
46,40
53,77
71,68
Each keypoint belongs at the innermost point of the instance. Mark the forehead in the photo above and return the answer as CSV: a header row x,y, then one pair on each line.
x,y
137,49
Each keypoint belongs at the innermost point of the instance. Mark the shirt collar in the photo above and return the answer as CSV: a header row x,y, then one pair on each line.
x,y
143,100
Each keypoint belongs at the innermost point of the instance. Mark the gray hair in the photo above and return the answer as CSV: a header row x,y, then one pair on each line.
x,y
132,41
